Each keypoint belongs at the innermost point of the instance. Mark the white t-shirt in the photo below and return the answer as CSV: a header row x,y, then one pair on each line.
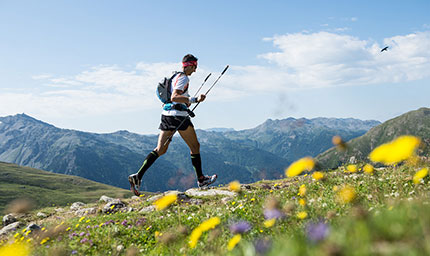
x,y
179,82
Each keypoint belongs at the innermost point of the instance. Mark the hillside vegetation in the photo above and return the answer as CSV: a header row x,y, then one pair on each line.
x,y
48,189
343,213
416,123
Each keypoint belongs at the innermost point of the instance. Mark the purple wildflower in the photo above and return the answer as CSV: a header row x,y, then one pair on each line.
x,y
140,222
129,226
262,245
72,235
124,223
272,214
240,227
317,231
82,234
74,252
84,240
88,226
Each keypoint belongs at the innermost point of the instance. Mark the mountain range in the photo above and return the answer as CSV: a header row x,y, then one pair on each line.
x,y
248,155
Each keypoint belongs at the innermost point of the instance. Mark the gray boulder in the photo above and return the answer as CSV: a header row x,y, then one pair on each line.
x,y
76,206
209,192
106,199
10,228
113,206
8,219
86,211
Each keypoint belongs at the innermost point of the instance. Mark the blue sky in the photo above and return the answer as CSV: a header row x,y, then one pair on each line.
x,y
94,65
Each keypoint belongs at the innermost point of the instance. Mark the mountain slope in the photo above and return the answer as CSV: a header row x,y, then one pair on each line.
x,y
247,156
415,123
45,188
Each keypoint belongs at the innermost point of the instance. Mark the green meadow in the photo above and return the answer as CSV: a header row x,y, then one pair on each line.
x,y
383,213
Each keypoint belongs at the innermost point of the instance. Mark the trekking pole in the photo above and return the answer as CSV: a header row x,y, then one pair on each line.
x,y
195,95
177,128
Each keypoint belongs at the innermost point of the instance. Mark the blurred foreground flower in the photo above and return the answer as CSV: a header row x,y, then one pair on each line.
x,y
234,186
165,201
204,226
304,164
317,175
339,143
302,190
302,215
420,175
233,242
346,194
262,245
269,223
368,168
352,168
273,214
395,151
15,249
316,232
240,227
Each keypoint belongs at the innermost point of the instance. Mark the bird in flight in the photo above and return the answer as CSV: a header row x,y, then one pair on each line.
x,y
384,49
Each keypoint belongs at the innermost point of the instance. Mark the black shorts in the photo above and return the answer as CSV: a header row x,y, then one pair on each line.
x,y
170,123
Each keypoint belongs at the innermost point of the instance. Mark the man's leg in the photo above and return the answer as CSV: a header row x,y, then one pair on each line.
x,y
135,179
190,137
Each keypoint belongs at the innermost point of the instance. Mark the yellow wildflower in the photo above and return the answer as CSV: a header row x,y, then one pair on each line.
x,y
253,199
16,249
351,168
420,175
302,215
77,225
302,190
335,188
346,194
317,175
234,186
302,202
395,151
83,218
368,168
233,242
44,240
269,223
306,163
204,226
165,201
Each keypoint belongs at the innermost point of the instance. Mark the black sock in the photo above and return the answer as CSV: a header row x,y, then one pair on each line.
x,y
197,164
149,160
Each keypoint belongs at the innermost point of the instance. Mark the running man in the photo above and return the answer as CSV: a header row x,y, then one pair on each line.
x,y
171,117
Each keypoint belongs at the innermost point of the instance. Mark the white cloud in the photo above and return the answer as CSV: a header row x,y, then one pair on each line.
x,y
327,59
302,61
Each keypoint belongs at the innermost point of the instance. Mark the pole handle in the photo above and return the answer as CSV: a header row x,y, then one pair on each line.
x,y
222,73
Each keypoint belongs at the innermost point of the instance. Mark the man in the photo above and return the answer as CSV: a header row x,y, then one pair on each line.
x,y
172,116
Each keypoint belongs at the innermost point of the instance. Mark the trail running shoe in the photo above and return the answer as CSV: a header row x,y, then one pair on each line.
x,y
134,184
207,181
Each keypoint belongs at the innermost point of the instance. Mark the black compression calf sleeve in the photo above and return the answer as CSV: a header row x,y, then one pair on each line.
x,y
149,160
197,164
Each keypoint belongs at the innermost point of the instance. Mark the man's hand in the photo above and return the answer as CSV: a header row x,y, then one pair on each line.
x,y
201,98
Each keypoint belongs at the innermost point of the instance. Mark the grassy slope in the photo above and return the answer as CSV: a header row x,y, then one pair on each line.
x,y
47,189
389,217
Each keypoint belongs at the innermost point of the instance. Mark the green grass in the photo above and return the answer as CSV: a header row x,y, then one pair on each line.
x,y
388,217
49,189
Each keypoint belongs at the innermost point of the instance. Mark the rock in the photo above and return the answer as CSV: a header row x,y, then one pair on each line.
x,y
113,206
8,219
33,227
59,209
10,228
209,192
225,200
135,197
76,206
147,209
41,215
86,211
182,197
106,199
195,201
154,198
